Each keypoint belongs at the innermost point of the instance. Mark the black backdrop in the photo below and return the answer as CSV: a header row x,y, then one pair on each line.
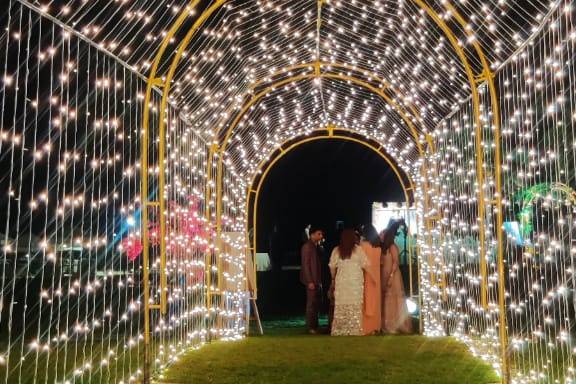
x,y
320,182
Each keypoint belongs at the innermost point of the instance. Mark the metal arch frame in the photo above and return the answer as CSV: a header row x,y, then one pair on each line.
x,y
219,151
327,133
472,80
165,82
317,66
154,81
323,75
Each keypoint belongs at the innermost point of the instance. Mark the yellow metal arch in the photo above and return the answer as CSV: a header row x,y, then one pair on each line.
x,y
472,80
328,133
153,81
334,76
219,151
378,91
488,77
275,85
318,66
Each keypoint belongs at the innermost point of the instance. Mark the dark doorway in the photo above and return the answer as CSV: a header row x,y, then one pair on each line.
x,y
326,183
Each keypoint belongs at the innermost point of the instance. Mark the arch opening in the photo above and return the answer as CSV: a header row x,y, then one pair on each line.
x,y
332,154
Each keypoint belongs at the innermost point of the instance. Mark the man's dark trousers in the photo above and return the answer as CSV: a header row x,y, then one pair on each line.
x,y
312,307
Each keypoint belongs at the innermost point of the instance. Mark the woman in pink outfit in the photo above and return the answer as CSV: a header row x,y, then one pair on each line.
x,y
395,317
371,313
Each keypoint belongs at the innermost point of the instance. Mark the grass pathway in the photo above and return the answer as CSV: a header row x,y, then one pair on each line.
x,y
290,357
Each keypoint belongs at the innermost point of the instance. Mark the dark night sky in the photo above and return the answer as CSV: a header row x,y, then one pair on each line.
x,y
321,182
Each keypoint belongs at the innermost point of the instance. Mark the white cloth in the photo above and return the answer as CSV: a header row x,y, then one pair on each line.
x,y
349,287
348,292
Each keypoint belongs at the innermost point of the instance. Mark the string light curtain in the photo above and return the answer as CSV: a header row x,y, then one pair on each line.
x,y
258,74
536,110
72,294
538,117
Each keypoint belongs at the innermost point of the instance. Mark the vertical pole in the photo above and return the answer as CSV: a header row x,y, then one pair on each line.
x,y
418,253
503,331
145,259
144,229
420,301
162,206
248,255
408,251
481,202
255,240
208,258
429,237
219,246
219,202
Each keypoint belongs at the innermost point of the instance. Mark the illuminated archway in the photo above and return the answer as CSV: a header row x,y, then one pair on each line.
x,y
159,208
219,150
473,79
329,133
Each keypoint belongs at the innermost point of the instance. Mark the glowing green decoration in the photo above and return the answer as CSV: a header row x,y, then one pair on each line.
x,y
527,197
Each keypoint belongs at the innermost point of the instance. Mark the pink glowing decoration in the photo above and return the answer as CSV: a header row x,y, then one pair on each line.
x,y
133,247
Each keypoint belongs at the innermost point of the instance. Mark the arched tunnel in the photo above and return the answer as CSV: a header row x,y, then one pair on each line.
x,y
135,137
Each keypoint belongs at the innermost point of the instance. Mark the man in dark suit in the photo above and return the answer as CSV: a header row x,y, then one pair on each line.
x,y
311,277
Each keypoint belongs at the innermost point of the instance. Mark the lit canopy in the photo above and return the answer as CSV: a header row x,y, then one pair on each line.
x,y
261,72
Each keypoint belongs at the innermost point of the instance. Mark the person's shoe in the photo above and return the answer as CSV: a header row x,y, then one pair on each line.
x,y
312,331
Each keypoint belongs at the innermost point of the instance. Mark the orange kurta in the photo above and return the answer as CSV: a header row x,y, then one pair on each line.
x,y
372,319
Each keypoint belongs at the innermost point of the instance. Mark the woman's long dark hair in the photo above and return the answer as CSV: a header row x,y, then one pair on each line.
x,y
347,243
390,234
371,235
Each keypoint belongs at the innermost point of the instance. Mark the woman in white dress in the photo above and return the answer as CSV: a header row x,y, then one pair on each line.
x,y
347,263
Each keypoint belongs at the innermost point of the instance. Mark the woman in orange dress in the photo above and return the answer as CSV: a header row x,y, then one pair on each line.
x,y
371,313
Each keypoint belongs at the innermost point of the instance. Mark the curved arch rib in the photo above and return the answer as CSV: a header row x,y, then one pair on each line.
x,y
327,133
309,76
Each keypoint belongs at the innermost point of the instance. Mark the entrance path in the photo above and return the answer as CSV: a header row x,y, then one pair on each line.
x,y
291,357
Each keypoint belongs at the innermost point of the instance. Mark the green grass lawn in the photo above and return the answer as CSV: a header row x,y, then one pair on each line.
x,y
61,366
289,356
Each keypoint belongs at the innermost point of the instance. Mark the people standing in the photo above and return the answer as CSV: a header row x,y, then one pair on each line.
x,y
311,277
395,317
372,315
347,263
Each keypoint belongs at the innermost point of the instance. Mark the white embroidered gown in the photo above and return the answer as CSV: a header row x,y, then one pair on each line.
x,y
348,292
